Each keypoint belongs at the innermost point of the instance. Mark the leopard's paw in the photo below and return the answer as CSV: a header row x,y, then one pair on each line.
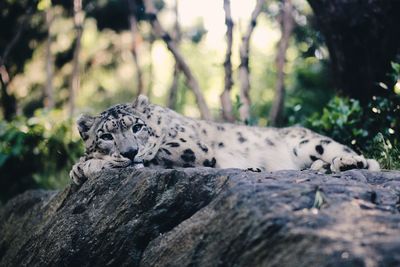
x,y
348,162
77,174
115,161
373,165
321,166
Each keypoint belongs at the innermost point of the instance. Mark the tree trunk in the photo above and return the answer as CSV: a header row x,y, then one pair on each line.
x,y
48,92
75,77
226,103
244,71
171,45
362,38
286,24
173,90
8,100
136,40
151,67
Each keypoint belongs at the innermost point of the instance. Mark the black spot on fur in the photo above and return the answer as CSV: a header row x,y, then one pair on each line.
x,y
303,134
159,120
346,149
348,167
360,165
154,161
182,130
204,148
173,133
187,165
166,151
168,163
295,151
149,116
220,128
284,132
221,144
269,142
241,139
182,140
114,113
210,163
204,131
325,142
313,158
83,126
254,169
173,144
304,142
188,155
319,149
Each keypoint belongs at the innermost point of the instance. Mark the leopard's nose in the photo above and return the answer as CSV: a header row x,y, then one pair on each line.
x,y
130,154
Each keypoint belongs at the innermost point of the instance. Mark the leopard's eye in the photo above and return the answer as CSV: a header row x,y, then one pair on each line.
x,y
106,137
136,128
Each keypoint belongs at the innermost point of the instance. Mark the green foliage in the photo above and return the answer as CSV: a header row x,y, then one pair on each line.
x,y
311,92
23,16
385,152
372,130
341,120
36,152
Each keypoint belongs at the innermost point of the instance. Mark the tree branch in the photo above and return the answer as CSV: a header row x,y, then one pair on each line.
x,y
48,90
14,40
75,77
286,25
226,103
244,71
171,45
8,101
135,41
173,90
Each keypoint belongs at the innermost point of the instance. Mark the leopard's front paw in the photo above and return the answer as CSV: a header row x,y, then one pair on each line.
x,y
77,174
348,162
373,165
115,161
321,166
254,170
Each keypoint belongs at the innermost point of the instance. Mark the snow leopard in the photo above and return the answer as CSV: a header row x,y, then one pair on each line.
x,y
142,134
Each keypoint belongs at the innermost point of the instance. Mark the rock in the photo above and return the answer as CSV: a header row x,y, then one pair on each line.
x,y
208,217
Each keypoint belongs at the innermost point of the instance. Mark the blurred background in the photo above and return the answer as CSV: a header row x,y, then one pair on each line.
x,y
330,65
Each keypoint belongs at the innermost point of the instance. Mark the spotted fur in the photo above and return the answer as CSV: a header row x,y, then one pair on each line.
x,y
146,134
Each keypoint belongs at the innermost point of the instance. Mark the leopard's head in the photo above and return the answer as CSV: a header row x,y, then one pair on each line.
x,y
118,131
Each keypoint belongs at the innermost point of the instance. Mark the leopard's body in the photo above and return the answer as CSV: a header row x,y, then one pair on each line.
x,y
146,134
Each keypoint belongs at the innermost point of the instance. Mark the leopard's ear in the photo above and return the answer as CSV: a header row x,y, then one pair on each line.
x,y
85,123
140,103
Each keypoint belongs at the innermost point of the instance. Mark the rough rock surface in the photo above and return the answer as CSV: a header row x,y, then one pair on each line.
x,y
207,217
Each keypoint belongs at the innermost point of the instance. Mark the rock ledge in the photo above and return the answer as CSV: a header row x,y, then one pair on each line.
x,y
208,217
